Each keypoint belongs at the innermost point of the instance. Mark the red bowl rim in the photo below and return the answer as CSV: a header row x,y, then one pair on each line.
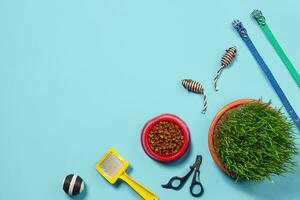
x,y
165,117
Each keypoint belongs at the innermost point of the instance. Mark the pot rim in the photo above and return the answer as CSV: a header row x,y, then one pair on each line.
x,y
213,126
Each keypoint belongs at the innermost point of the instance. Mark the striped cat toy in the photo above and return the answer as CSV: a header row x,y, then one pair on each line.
x,y
225,62
196,87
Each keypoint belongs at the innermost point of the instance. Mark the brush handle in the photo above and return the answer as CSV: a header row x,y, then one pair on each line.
x,y
141,190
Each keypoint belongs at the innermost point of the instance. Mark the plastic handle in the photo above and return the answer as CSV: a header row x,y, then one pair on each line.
x,y
182,180
141,190
195,184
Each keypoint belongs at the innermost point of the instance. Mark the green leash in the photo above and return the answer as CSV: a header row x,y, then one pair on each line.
x,y
258,16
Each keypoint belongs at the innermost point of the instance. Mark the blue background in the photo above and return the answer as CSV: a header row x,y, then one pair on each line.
x,y
77,77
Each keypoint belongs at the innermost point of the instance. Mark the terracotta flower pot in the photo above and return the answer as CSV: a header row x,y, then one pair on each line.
x,y
213,126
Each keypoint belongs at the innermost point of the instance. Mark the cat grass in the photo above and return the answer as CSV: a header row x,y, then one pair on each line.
x,y
255,141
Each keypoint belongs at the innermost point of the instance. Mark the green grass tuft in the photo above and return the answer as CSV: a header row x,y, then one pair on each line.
x,y
255,141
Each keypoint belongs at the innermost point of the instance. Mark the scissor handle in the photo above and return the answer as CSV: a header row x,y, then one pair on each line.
x,y
196,183
182,181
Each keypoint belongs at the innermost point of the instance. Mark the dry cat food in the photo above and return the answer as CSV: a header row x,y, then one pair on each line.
x,y
165,138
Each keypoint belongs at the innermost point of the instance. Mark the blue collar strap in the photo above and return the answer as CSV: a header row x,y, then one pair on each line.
x,y
244,35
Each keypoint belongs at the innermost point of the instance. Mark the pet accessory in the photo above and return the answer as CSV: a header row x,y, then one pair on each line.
x,y
244,35
176,183
112,167
73,184
145,137
196,87
225,62
261,20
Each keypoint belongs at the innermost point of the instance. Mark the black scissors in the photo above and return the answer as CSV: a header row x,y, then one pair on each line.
x,y
176,183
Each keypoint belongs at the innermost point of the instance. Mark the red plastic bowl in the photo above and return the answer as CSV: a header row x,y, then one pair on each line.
x,y
171,118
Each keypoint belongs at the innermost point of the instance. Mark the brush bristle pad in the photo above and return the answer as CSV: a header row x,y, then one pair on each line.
x,y
111,165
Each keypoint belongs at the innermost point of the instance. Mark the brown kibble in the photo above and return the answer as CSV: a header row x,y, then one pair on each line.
x,y
165,138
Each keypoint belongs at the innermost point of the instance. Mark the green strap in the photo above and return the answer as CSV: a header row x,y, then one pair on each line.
x,y
258,16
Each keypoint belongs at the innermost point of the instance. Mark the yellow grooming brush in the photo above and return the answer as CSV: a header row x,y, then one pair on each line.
x,y
112,167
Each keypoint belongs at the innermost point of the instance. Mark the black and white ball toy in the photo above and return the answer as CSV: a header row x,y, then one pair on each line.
x,y
73,184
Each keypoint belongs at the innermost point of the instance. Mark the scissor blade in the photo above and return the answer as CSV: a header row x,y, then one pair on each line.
x,y
198,162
